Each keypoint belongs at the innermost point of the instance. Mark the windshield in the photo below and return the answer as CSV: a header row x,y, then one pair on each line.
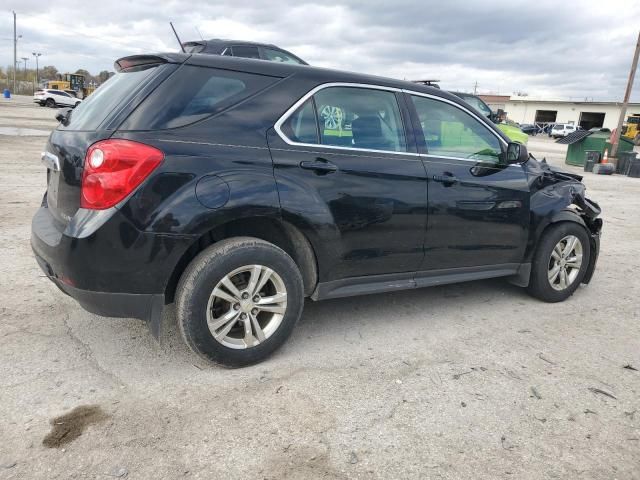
x,y
478,104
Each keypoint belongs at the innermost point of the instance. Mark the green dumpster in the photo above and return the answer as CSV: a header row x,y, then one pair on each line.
x,y
594,141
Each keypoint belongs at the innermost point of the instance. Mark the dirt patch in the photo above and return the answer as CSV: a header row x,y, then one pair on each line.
x,y
66,428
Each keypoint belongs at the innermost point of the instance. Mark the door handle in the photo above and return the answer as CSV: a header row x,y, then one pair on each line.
x,y
447,179
319,165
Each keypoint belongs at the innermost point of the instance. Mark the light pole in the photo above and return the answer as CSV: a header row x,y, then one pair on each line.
x,y
24,59
37,73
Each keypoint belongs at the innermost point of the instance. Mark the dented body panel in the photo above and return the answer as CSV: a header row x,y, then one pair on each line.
x,y
558,196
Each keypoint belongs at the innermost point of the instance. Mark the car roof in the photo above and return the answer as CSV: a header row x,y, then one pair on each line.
x,y
226,42
318,75
280,69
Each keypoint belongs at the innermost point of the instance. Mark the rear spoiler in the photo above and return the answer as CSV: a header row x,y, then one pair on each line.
x,y
141,60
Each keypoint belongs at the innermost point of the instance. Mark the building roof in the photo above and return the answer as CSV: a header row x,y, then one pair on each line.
x,y
571,102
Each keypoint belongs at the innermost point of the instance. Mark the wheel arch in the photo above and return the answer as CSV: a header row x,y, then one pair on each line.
x,y
279,232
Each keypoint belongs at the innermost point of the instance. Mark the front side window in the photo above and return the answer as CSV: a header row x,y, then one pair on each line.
x,y
279,56
359,118
245,51
451,132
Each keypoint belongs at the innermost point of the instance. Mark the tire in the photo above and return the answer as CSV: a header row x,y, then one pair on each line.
x,y
200,303
545,262
51,103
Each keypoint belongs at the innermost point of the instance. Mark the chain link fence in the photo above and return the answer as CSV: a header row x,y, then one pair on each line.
x,y
23,87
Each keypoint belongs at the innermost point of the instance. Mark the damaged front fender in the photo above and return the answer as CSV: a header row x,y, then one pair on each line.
x,y
558,196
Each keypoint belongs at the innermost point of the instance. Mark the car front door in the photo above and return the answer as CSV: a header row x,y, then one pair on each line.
x,y
343,159
478,204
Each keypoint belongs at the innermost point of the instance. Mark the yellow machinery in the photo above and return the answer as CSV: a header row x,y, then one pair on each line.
x,y
632,128
58,85
71,81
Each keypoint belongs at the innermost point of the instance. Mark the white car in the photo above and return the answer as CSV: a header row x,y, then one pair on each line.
x,y
55,98
563,129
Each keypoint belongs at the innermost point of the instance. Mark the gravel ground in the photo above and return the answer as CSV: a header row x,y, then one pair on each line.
x,y
474,380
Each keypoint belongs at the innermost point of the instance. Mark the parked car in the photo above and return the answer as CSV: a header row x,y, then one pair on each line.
x,y
529,128
55,98
236,188
563,129
512,131
241,48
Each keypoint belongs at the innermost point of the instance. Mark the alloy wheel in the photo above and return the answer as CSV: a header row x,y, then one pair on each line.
x,y
247,306
565,262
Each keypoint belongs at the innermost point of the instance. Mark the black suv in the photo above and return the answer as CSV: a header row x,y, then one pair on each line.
x,y
236,188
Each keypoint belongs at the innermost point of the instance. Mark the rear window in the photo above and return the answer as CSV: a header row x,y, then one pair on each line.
x,y
114,92
191,94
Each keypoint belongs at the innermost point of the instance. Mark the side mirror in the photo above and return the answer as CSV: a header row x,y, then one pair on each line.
x,y
62,114
516,153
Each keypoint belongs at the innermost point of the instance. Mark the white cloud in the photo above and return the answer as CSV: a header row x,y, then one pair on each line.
x,y
577,49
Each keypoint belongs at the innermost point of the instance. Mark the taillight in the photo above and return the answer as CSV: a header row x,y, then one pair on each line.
x,y
113,169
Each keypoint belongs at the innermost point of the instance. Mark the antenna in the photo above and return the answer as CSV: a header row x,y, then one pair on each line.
x,y
201,37
177,37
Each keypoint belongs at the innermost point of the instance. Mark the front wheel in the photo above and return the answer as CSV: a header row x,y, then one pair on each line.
x,y
560,262
51,103
238,301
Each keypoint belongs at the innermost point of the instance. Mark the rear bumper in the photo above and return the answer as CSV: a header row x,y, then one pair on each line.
x,y
109,304
109,267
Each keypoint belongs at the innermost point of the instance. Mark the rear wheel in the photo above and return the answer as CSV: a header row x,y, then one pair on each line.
x,y
51,103
238,301
560,262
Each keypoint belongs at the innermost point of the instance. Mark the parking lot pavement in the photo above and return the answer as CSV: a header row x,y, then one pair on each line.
x,y
475,380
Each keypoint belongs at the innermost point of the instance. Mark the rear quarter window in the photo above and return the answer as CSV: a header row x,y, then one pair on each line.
x,y
116,91
191,94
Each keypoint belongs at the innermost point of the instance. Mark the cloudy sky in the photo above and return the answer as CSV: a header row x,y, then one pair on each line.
x,y
575,48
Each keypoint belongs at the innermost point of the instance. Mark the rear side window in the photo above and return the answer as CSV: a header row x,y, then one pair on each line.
x,y
359,118
191,94
245,51
279,56
115,91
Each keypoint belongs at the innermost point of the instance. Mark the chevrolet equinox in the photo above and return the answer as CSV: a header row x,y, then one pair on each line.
x,y
235,188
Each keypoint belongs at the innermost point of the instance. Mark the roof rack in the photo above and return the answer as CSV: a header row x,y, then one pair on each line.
x,y
428,83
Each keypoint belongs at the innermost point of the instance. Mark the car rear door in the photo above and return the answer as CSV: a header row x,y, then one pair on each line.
x,y
478,205
345,164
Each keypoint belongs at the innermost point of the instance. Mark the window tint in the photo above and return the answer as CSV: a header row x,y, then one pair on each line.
x,y
301,127
115,91
279,56
451,132
191,94
245,51
359,118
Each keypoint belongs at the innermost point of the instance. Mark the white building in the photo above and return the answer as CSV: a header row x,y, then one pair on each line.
x,y
586,114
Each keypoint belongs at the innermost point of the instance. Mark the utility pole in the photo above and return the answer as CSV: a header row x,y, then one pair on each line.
x,y
475,88
625,102
24,59
15,49
37,73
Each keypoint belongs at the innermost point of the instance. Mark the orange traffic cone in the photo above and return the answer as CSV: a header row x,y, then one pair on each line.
x,y
605,157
